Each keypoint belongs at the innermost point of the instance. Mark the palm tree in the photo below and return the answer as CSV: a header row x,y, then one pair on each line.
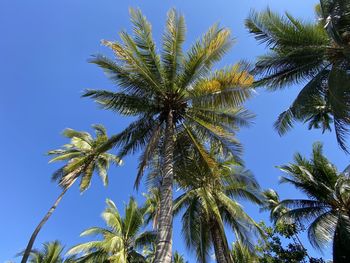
x,y
209,201
51,253
313,53
327,208
120,240
82,162
288,229
271,204
178,258
149,252
170,93
151,207
240,253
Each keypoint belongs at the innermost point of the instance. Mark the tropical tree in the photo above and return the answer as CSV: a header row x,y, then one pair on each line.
x,y
120,240
51,253
149,252
178,258
286,229
151,207
328,205
209,201
170,93
315,55
240,253
271,204
271,249
81,162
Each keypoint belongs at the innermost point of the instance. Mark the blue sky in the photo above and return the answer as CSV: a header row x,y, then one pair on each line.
x,y
45,46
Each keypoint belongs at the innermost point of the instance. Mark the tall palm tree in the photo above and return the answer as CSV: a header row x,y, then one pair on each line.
x,y
209,202
120,240
315,55
81,162
171,92
51,253
327,208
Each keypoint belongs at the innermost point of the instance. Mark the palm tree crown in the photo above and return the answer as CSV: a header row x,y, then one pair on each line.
x,y
84,156
204,104
210,201
172,93
178,258
120,240
81,157
313,53
52,252
328,206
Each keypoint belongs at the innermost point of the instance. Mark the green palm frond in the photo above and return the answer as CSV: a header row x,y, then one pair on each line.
x,y
309,102
119,240
241,253
339,95
120,102
326,207
173,39
178,258
211,197
311,53
321,230
52,252
142,30
83,157
173,92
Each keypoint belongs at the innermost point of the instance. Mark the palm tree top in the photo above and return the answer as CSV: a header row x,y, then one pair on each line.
x,y
82,158
213,196
120,239
326,208
315,55
202,104
52,252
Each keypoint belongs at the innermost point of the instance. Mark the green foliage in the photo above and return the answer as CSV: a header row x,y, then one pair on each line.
x,y
52,252
241,253
315,55
210,200
205,105
271,249
120,241
82,158
326,211
176,97
178,258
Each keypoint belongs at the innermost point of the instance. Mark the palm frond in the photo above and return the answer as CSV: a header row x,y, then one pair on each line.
x,y
173,39
129,105
204,54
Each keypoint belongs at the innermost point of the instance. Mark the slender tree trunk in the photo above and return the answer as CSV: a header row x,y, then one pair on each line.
x,y
41,224
165,223
222,254
299,241
341,240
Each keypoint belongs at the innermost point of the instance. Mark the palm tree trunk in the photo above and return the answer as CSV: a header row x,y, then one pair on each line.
x,y
165,223
298,242
341,240
220,245
41,224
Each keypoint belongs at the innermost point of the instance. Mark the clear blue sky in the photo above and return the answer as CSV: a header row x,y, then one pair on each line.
x,y
44,47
